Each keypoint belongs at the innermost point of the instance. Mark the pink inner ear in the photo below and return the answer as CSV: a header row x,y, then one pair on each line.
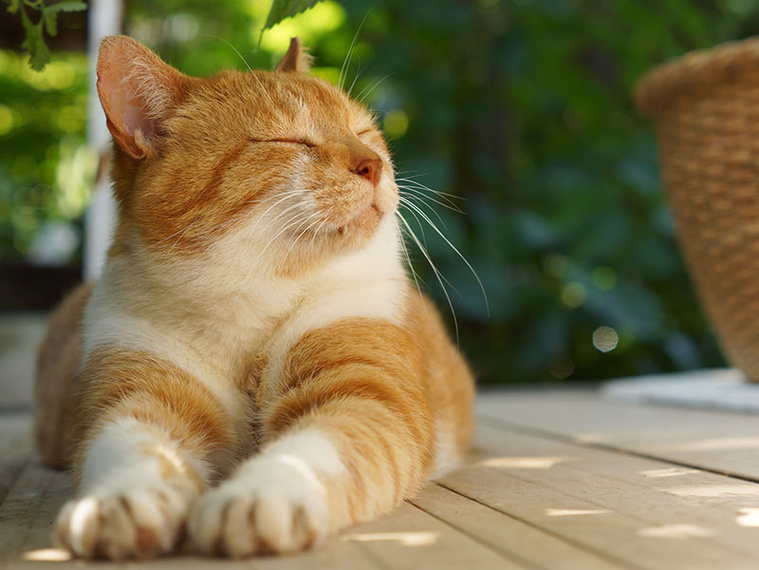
x,y
126,112
134,116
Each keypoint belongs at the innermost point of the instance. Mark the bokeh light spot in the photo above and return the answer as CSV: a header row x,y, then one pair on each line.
x,y
605,339
574,294
6,120
60,74
605,278
395,123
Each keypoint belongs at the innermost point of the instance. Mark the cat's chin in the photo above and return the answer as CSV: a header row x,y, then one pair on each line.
x,y
363,225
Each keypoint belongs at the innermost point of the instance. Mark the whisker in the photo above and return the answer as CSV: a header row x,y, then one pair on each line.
x,y
316,233
421,186
287,226
402,200
420,200
349,55
368,90
235,49
282,199
358,74
301,233
406,255
424,192
453,247
435,271
270,223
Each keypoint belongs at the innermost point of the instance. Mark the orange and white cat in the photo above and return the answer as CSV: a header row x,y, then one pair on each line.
x,y
253,368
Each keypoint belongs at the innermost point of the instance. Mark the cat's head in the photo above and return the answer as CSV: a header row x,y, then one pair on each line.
x,y
278,161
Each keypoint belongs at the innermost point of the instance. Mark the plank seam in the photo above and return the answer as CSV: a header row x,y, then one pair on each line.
x,y
714,542
504,553
584,547
537,432
17,470
373,558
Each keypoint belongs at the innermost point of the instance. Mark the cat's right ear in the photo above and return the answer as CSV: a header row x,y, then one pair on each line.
x,y
137,90
297,58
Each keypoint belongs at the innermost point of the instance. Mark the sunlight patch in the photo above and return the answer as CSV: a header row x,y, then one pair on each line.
x,y
575,512
715,444
47,555
676,531
749,517
671,472
405,538
714,491
523,462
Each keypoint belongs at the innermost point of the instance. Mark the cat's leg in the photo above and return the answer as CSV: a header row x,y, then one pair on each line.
x,y
150,434
349,432
56,377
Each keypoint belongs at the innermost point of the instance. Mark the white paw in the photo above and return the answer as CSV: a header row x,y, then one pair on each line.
x,y
268,508
139,522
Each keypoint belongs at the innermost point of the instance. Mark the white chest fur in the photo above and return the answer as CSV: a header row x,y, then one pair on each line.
x,y
202,315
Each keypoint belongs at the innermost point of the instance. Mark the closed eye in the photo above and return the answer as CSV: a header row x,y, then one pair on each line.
x,y
364,132
285,141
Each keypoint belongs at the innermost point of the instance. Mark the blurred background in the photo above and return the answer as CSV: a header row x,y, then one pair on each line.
x,y
518,111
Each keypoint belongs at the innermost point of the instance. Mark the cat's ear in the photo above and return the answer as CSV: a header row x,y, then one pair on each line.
x,y
136,90
296,58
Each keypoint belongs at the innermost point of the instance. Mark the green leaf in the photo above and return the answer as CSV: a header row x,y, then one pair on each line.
x,y
13,6
39,55
30,30
281,9
51,22
65,6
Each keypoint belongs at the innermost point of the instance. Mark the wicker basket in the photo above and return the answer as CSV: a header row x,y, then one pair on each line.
x,y
706,109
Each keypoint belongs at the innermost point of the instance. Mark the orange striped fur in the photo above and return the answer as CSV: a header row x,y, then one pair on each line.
x,y
253,368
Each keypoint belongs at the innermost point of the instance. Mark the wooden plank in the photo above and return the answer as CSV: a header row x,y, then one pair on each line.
x,y
614,518
407,538
612,534
20,334
652,491
27,513
14,449
411,539
26,522
716,441
514,539
333,555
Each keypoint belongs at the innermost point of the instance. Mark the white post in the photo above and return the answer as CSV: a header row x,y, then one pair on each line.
x,y
104,20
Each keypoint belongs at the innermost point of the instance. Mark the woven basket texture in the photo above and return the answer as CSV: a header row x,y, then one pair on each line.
x,y
706,109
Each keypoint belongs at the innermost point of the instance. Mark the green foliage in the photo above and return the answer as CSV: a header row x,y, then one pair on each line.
x,y
45,168
521,110
47,22
281,9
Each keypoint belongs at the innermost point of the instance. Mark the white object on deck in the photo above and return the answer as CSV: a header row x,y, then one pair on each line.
x,y
721,389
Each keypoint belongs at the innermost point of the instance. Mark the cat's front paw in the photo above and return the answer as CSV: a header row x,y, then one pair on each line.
x,y
142,522
272,510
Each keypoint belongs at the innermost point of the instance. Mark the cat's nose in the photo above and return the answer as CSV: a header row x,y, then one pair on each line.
x,y
369,168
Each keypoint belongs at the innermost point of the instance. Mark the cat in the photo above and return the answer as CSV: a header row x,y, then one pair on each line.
x,y
253,368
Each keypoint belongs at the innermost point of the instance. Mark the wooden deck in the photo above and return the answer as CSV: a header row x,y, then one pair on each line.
x,y
557,479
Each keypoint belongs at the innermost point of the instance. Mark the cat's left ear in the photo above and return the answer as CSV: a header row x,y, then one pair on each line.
x,y
296,58
137,91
